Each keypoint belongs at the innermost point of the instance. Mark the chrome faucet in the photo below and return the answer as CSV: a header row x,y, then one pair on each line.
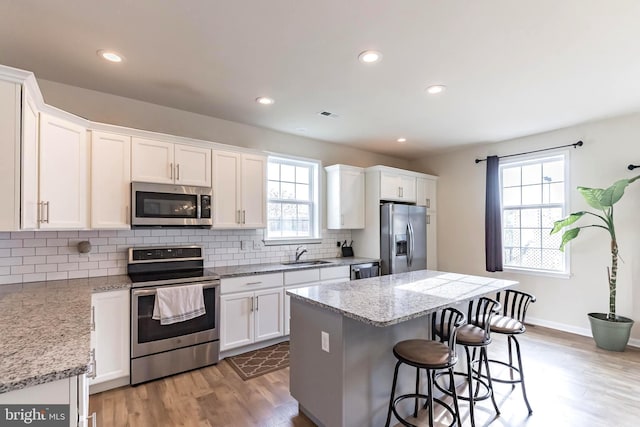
x,y
299,254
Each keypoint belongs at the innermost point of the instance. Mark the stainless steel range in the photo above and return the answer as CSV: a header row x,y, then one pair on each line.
x,y
161,350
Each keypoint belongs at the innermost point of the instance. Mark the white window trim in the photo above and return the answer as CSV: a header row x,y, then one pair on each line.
x,y
318,205
533,158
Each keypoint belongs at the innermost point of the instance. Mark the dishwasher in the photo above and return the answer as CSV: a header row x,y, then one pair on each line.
x,y
364,270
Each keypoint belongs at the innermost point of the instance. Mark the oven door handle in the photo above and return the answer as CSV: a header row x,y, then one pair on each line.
x,y
152,291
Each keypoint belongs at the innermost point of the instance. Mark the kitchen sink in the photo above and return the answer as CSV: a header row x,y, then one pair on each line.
x,y
302,263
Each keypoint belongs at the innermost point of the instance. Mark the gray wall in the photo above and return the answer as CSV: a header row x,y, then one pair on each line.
x,y
563,303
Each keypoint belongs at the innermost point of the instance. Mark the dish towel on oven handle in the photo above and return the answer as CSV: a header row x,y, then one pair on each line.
x,y
178,303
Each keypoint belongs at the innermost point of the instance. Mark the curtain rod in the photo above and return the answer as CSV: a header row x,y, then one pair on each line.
x,y
632,167
575,145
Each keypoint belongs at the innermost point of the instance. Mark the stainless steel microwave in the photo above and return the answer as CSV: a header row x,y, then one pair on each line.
x,y
167,205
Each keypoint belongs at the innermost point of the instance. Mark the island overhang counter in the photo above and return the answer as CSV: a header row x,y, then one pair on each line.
x,y
361,320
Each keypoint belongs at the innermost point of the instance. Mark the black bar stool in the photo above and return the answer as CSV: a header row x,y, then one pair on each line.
x,y
431,355
510,322
474,336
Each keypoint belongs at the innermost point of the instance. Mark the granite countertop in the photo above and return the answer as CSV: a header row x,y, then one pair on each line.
x,y
45,329
388,300
250,269
45,326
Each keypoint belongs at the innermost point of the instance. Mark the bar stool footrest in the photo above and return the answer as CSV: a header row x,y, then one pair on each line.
x,y
486,391
511,368
398,399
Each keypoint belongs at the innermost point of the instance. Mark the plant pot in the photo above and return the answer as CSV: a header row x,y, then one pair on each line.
x,y
611,335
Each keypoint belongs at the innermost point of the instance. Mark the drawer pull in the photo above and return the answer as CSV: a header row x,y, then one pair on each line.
x,y
253,283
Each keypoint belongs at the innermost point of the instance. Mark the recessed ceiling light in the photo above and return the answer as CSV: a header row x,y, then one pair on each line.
x,y
435,89
370,56
264,100
110,55
401,140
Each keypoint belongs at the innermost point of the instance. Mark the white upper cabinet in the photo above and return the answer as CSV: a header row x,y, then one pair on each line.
x,y
152,161
29,164
193,165
426,193
345,197
110,180
239,190
63,174
10,159
168,163
254,191
396,186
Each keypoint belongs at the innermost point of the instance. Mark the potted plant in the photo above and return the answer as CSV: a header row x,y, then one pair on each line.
x,y
610,331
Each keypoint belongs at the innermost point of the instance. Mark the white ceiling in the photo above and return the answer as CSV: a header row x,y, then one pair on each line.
x,y
512,68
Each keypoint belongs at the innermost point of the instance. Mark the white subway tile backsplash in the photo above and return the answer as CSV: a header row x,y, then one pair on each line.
x,y
78,274
16,252
10,243
34,243
57,275
46,268
34,260
10,261
46,251
57,259
34,277
22,269
68,267
49,255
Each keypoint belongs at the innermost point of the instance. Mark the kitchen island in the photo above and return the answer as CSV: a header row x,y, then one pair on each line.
x,y
342,337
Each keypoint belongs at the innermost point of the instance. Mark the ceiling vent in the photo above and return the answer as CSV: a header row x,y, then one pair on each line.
x,y
328,114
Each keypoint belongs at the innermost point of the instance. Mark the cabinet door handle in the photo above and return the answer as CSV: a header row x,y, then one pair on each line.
x,y
428,219
170,170
46,219
252,304
244,216
428,203
93,318
177,171
94,366
257,303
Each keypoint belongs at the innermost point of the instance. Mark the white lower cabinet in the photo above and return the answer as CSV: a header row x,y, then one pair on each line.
x,y
110,339
268,314
72,391
250,316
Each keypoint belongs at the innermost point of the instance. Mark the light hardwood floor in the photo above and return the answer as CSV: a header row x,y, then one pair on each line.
x,y
569,381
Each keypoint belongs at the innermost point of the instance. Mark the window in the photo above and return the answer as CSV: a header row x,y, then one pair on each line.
x,y
533,197
292,206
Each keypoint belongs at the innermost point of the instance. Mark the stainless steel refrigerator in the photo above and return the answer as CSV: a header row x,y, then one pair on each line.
x,y
403,238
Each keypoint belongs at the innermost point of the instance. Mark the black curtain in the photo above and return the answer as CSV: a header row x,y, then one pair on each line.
x,y
493,214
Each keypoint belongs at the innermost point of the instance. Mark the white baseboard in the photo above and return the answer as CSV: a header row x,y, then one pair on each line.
x,y
633,342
